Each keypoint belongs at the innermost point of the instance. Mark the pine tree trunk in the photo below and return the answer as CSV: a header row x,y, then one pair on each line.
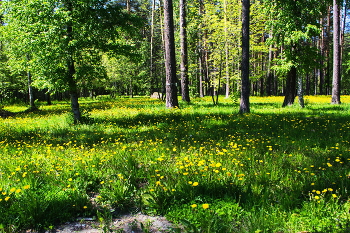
x,y
170,62
336,54
184,62
244,103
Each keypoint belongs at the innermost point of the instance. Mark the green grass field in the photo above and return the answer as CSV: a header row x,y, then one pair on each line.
x,y
202,166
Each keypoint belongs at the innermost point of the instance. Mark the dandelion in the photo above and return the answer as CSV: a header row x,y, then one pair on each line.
x,y
7,198
18,190
205,206
85,207
194,205
317,197
12,190
195,184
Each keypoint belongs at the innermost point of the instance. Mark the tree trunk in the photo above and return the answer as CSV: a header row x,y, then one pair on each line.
x,y
153,82
170,62
184,61
244,103
336,54
301,92
227,69
72,84
290,87
30,89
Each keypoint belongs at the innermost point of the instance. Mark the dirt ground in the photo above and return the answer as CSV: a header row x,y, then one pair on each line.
x,y
127,223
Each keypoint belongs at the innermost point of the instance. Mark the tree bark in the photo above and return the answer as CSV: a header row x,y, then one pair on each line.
x,y
290,87
336,54
170,62
244,103
301,92
30,89
184,57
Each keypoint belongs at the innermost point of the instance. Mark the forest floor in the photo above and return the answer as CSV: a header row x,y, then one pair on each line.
x,y
129,223
5,114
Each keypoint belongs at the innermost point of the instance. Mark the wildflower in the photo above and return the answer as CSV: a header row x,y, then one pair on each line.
x,y
7,198
70,179
18,190
194,205
205,206
317,197
12,190
102,182
334,195
85,207
195,184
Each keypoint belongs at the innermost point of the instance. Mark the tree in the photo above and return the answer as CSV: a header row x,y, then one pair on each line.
x,y
66,39
294,25
184,57
244,103
170,61
336,54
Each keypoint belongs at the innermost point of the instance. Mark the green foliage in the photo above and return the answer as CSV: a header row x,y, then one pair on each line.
x,y
98,26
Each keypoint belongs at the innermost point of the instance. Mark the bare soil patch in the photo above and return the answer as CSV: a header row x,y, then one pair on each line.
x,y
130,223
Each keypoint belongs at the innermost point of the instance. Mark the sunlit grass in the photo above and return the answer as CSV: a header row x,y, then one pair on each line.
x,y
275,169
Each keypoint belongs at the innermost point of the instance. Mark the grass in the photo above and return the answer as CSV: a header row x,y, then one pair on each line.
x,y
202,166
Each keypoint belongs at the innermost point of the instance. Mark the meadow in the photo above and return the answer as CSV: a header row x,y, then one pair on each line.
x,y
204,167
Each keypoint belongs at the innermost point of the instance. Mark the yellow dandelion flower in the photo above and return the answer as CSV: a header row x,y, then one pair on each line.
x,y
195,184
218,165
330,189
194,205
334,195
7,198
85,207
158,183
102,182
12,190
205,206
70,179
18,190
190,182
318,192
317,197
